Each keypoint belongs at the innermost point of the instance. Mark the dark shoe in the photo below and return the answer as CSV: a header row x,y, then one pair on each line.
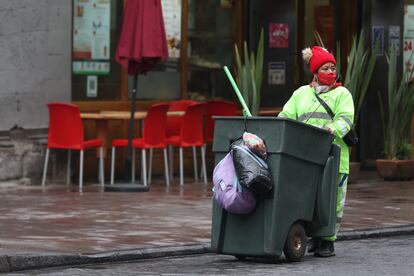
x,y
314,244
326,249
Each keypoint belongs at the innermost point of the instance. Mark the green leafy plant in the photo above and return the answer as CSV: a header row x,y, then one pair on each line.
x,y
404,151
249,76
397,111
361,63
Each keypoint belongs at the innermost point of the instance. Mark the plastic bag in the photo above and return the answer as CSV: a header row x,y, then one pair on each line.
x,y
252,171
228,192
255,144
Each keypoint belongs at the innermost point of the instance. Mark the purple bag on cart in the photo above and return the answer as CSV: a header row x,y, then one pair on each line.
x,y
228,192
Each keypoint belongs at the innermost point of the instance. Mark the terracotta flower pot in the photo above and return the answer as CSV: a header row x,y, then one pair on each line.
x,y
395,169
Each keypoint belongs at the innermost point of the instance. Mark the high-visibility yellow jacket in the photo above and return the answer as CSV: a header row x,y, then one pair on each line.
x,y
305,107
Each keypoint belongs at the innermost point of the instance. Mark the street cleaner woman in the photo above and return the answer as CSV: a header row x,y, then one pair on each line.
x,y
304,106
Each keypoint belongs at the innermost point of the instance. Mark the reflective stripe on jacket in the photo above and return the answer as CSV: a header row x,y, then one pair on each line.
x,y
305,107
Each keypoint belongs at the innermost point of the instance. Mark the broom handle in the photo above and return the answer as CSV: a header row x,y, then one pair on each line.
x,y
236,89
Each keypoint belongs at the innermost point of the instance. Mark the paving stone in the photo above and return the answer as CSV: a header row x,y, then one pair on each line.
x,y
99,225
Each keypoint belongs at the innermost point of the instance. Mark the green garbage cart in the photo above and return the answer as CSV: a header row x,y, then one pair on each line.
x,y
304,165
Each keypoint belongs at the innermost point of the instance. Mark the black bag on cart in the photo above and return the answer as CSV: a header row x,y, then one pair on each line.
x,y
252,171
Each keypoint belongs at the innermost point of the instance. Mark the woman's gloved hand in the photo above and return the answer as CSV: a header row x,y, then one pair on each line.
x,y
328,129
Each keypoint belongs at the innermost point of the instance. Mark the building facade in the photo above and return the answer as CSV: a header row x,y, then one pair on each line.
x,y
39,49
35,54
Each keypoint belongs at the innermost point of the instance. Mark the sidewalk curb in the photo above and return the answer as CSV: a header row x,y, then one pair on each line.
x,y
16,262
376,233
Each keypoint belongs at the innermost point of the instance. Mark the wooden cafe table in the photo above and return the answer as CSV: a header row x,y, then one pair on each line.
x,y
102,120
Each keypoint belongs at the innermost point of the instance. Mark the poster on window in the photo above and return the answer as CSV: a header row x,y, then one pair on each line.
x,y
278,35
408,38
92,86
394,37
90,67
171,10
91,29
276,73
378,34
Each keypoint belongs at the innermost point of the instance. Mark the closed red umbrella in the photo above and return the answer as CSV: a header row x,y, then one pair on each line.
x,y
143,41
141,45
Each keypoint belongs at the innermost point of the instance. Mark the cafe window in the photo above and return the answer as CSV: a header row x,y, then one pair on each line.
x,y
210,47
210,38
96,26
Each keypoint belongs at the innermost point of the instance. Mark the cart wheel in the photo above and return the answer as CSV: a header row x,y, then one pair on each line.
x,y
240,258
295,246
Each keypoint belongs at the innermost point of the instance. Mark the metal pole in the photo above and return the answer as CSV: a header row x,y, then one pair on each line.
x,y
128,161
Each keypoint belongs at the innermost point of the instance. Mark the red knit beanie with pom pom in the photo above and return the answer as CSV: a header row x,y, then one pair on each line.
x,y
317,57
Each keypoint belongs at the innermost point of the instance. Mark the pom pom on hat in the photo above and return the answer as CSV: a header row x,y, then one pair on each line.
x,y
307,54
317,57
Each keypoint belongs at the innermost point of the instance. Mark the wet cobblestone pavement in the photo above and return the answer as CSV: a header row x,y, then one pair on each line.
x,y
58,219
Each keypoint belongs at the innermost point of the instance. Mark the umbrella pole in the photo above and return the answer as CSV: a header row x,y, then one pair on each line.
x,y
128,186
128,163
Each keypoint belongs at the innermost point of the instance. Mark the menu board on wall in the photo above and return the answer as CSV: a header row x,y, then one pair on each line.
x,y
171,10
408,38
91,31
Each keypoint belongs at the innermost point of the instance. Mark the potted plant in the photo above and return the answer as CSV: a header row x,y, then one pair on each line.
x,y
249,75
396,115
359,69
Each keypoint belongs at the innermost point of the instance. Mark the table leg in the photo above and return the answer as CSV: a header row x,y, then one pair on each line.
x,y
102,133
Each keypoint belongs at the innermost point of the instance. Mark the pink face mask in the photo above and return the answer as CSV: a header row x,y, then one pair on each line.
x,y
326,78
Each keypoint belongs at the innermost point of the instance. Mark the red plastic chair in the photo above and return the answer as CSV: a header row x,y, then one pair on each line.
x,y
191,135
174,122
218,108
153,138
66,132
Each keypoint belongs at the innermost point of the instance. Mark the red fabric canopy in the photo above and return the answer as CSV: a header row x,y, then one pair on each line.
x,y
143,41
